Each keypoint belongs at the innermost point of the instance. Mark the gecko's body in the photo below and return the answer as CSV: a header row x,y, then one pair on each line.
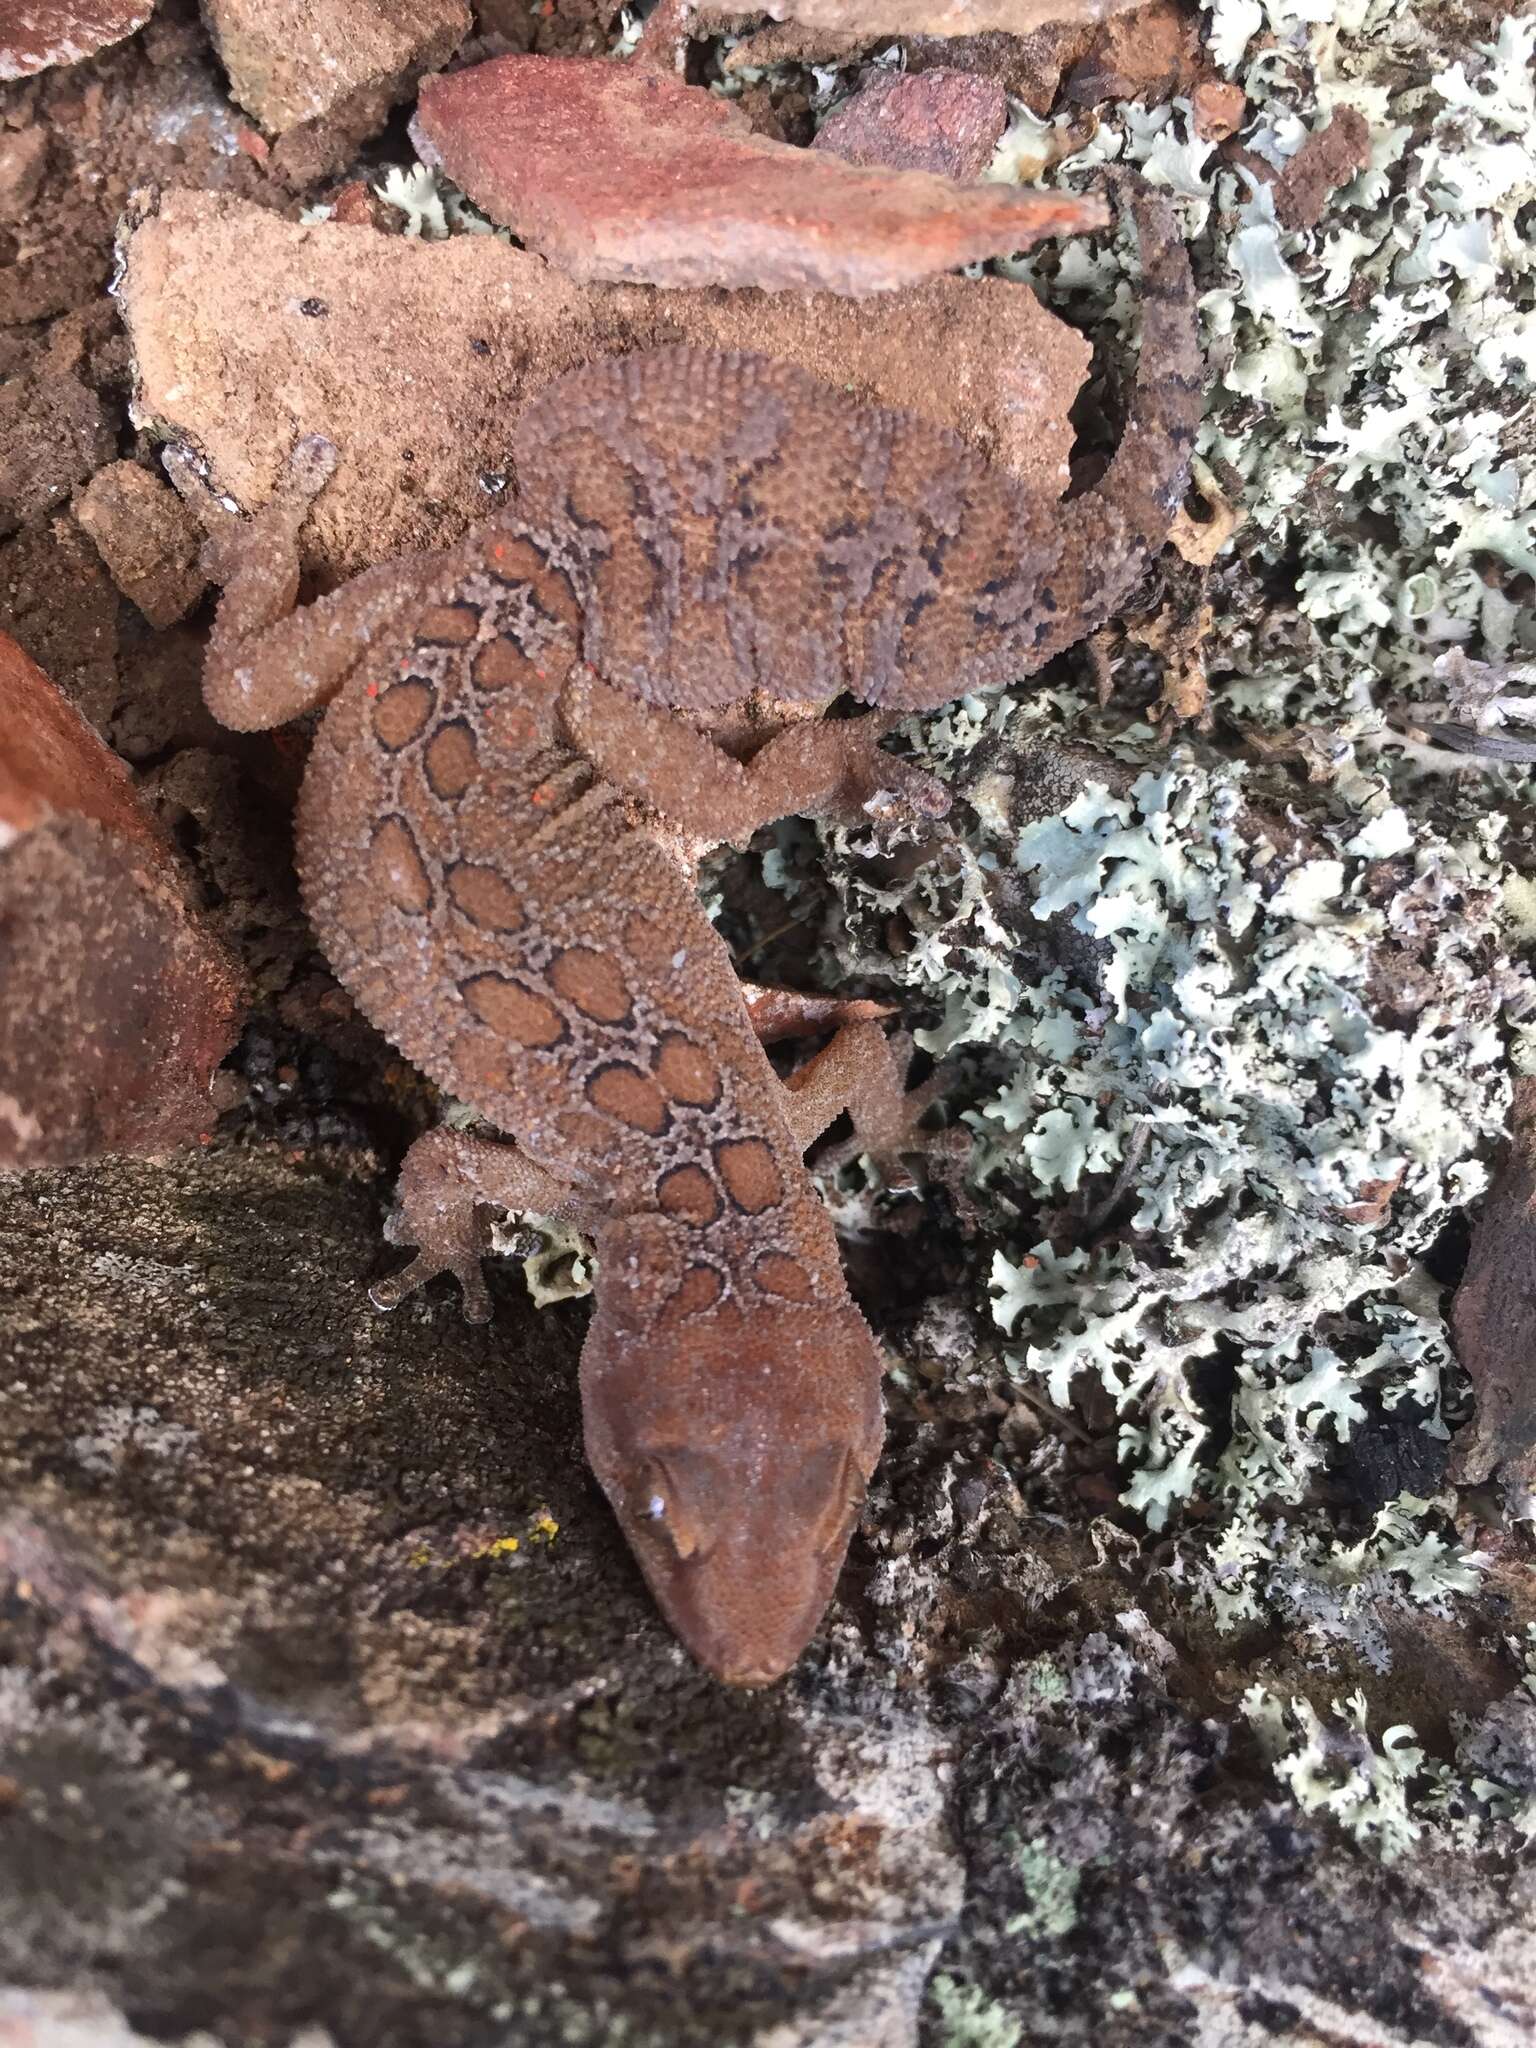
x,y
493,840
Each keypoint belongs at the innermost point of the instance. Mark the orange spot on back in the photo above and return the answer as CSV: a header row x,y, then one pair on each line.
x,y
750,1173
632,1097
593,982
688,1193
512,1011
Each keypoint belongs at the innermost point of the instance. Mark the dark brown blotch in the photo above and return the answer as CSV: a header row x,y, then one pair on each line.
x,y
403,712
687,1072
688,1193
593,982
452,760
777,1273
697,1292
513,1012
447,625
502,665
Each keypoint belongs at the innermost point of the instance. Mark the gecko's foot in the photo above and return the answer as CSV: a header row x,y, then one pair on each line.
x,y
440,1214
465,1268
887,1129
889,790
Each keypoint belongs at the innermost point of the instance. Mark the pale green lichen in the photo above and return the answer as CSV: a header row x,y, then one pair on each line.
x,y
970,2019
1334,1767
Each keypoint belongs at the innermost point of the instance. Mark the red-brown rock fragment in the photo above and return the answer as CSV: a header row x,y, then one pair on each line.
x,y
618,172
1328,158
115,1004
424,353
947,122
147,538
23,159
53,434
1493,1317
35,35
331,70
1219,107
1149,54
940,17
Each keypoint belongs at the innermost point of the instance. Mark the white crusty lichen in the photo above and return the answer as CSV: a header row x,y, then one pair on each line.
x,y
1232,1067
1333,1766
1371,374
1236,1051
1387,1795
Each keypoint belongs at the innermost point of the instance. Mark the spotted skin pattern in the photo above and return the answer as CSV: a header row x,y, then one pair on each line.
x,y
528,740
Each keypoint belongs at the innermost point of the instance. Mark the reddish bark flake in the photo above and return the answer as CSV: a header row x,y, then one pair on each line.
x,y
614,172
118,1004
943,121
38,34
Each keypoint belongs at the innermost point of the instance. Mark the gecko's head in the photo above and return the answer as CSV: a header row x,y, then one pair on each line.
x,y
735,1446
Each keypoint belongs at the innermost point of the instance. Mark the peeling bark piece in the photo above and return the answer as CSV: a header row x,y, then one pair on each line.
x,y
947,122
147,538
1328,158
1493,1317
424,354
328,74
615,172
940,17
117,1004
35,35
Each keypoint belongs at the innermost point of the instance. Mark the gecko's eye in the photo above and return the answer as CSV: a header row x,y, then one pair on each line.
x,y
661,1498
824,1494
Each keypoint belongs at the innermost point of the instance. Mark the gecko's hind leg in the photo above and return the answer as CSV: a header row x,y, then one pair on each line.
x,y
446,1178
865,1073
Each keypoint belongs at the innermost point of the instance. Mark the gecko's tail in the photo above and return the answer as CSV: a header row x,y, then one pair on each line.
x,y
1107,537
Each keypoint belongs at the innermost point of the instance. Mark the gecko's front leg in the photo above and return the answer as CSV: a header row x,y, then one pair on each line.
x,y
446,1178
266,662
823,769
864,1072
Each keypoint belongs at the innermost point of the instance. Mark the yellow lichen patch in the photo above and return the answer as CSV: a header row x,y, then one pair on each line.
x,y
543,1528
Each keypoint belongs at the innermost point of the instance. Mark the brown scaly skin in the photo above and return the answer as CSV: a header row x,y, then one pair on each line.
x,y
495,840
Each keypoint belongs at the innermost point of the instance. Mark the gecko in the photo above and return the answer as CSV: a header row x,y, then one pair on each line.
x,y
530,737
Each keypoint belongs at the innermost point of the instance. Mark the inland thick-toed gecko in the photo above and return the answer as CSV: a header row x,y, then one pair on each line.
x,y
532,736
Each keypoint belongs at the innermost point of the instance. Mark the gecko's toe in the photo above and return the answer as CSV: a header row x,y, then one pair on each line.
x,y
388,1293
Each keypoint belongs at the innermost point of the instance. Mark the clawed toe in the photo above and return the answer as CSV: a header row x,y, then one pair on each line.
x,y
390,1292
